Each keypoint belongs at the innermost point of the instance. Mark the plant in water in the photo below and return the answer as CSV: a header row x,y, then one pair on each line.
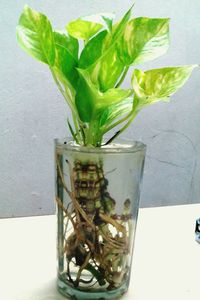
x,y
89,61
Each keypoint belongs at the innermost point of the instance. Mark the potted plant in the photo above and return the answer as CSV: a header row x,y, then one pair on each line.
x,y
97,178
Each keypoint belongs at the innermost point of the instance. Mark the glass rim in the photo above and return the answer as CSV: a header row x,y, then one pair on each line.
x,y
120,145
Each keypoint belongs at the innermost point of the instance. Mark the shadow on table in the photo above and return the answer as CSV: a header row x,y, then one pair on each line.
x,y
47,291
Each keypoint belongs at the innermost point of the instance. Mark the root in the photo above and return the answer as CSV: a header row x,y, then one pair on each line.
x,y
82,268
91,244
60,204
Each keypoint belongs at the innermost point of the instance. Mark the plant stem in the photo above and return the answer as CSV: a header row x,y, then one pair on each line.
x,y
72,131
122,77
117,123
94,135
134,113
78,135
57,83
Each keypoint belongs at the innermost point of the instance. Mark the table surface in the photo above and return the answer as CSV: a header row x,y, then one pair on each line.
x,y
166,262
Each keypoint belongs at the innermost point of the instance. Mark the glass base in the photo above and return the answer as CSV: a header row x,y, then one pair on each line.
x,y
76,294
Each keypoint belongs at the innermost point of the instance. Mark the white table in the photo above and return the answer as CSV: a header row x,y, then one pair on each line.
x,y
166,262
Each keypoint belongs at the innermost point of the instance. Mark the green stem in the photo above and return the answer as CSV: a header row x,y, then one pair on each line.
x,y
134,113
57,83
122,77
117,123
93,136
82,131
78,135
72,131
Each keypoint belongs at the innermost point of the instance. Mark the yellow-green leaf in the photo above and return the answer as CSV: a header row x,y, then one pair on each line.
x,y
144,39
35,35
82,29
106,70
159,84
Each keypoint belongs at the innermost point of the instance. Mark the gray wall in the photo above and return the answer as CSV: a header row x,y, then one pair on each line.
x,y
33,113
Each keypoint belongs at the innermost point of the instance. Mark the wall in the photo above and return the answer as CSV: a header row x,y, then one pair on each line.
x,y
33,113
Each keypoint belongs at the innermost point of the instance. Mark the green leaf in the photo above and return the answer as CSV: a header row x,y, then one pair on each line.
x,y
89,100
85,97
144,39
108,22
107,69
82,29
119,29
159,84
114,96
92,51
68,42
64,60
35,36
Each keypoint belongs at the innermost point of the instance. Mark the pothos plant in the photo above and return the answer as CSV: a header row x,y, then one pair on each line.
x,y
89,61
89,76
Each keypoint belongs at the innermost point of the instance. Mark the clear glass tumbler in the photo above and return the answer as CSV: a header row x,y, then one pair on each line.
x,y
97,195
